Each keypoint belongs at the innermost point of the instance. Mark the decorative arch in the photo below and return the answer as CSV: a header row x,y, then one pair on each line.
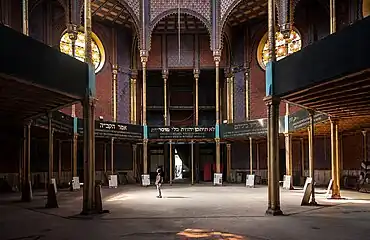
x,y
124,5
174,11
365,8
225,17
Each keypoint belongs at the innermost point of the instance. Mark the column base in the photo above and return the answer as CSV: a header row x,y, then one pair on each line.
x,y
274,212
52,197
336,196
27,192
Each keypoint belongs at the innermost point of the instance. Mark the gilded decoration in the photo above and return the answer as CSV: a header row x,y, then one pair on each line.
x,y
284,47
98,55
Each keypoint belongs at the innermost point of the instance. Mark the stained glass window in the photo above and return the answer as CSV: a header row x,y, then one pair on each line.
x,y
97,51
284,47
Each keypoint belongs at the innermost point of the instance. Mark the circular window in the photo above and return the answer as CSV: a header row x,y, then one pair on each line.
x,y
284,47
98,55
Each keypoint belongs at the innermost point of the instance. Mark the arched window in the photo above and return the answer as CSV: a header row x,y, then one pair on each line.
x,y
98,55
284,47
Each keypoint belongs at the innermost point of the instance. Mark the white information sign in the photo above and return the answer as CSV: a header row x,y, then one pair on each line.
x,y
76,183
217,179
145,179
112,181
249,181
287,182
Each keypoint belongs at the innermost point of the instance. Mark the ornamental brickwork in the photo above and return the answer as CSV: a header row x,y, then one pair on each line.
x,y
202,7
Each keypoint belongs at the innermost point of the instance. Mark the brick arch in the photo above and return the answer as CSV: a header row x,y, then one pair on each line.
x,y
365,8
174,11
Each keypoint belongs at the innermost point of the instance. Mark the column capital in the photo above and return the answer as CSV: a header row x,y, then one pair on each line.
x,y
50,114
311,112
271,100
287,134
72,31
134,74
228,145
217,56
144,53
165,73
196,73
333,120
364,132
115,69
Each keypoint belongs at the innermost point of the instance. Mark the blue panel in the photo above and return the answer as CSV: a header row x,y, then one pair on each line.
x,y
91,81
145,131
286,119
269,78
74,125
217,131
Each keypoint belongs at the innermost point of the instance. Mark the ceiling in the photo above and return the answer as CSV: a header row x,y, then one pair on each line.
x,y
247,10
188,23
19,101
112,11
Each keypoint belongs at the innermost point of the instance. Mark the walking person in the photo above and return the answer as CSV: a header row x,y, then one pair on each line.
x,y
158,182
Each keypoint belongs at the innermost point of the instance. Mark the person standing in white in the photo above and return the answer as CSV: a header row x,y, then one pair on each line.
x,y
158,183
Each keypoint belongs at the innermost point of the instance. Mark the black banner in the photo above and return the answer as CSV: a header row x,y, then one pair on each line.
x,y
301,119
115,130
250,128
181,132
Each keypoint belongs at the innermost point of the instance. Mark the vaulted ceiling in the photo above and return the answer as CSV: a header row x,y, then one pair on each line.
x,y
112,11
247,10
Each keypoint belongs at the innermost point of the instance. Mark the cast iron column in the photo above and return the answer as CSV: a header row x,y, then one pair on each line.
x,y
272,103
25,29
334,159
192,162
196,76
89,120
114,91
72,34
27,187
171,171
74,155
112,156
217,59
105,158
144,59
165,77
250,156
333,19
364,147
273,156
311,147
51,148
228,157
60,162
288,149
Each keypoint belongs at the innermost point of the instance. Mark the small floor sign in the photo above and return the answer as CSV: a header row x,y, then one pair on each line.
x,y
217,179
112,180
145,179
